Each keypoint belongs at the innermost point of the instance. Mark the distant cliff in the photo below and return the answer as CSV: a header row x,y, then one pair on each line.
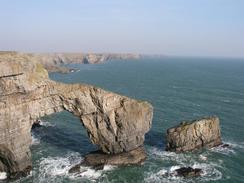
x,y
53,62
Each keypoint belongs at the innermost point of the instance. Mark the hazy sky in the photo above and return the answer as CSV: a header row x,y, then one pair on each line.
x,y
174,27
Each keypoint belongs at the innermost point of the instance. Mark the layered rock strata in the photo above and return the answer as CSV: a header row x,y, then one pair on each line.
x,y
115,123
188,136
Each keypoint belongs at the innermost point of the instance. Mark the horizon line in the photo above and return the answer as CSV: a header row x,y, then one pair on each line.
x,y
159,55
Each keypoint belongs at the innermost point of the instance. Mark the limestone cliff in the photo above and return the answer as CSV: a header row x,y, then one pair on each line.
x,y
115,123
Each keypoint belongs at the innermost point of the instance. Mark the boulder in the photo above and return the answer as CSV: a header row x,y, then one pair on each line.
x,y
225,145
133,157
188,172
188,136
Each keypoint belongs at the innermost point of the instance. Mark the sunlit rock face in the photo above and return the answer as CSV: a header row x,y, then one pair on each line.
x,y
188,136
115,123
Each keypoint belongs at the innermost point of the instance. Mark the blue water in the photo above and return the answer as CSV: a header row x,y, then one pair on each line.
x,y
179,89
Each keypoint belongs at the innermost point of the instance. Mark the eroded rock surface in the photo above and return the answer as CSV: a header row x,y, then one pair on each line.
x,y
98,159
115,123
193,135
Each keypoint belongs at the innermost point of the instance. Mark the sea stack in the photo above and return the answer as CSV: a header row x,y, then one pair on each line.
x,y
188,136
115,123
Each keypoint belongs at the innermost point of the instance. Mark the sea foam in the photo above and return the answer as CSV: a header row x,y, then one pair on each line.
x,y
3,175
233,146
46,123
210,170
35,140
52,168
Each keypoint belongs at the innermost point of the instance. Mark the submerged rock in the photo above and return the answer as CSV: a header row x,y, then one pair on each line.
x,y
225,145
75,169
188,172
193,135
115,123
97,160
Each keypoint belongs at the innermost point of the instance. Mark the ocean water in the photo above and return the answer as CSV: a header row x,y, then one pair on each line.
x,y
179,89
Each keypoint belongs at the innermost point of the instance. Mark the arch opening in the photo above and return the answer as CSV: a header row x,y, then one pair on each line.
x,y
58,144
62,131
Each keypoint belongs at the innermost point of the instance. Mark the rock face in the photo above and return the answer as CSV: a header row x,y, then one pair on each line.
x,y
194,135
115,123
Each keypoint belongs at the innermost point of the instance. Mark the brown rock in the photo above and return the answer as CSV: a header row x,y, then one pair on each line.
x,y
75,169
194,135
225,145
98,159
188,172
115,123
136,156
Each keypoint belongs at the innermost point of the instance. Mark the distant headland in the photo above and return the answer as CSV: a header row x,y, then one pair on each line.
x,y
54,62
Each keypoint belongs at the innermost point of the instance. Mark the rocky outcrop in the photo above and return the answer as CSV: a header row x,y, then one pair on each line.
x,y
135,156
115,123
98,159
194,135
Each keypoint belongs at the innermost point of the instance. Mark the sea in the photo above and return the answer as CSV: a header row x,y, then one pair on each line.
x,y
179,89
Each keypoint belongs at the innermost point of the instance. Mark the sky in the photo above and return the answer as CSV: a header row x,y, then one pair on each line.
x,y
209,28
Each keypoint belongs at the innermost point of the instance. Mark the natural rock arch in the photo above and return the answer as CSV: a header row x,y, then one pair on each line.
x,y
115,123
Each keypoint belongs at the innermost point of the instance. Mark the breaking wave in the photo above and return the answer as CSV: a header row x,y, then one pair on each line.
x,y
35,140
3,176
228,150
172,161
209,173
46,123
51,168
54,168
